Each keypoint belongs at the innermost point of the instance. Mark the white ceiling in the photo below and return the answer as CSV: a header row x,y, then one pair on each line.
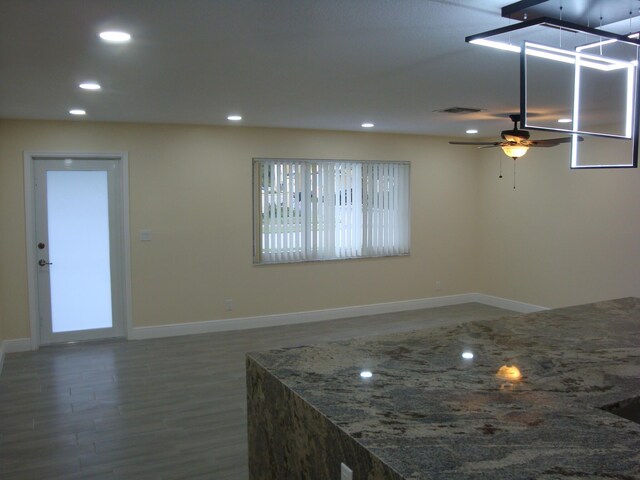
x,y
325,64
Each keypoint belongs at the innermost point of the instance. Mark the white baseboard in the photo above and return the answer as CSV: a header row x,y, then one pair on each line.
x,y
507,304
243,323
12,346
17,345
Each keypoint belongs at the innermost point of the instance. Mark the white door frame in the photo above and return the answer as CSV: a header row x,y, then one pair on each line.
x,y
30,221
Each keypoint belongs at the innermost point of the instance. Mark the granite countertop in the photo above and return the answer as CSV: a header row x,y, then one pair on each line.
x,y
427,412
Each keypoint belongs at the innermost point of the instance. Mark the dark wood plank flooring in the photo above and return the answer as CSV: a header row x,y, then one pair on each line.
x,y
171,408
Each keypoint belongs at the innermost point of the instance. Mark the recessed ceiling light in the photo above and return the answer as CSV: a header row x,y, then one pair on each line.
x,y
234,118
366,374
115,37
564,120
77,111
472,130
90,86
367,125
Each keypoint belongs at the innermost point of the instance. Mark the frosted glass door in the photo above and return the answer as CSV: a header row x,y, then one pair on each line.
x,y
80,272
79,245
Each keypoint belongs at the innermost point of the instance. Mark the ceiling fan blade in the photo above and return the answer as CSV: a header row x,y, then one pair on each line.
x,y
493,144
552,142
490,146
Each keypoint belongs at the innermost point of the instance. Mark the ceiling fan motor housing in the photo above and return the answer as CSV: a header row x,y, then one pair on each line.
x,y
515,135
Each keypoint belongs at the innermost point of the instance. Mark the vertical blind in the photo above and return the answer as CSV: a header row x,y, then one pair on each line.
x,y
325,209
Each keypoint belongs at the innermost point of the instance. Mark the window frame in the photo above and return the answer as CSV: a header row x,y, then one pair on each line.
x,y
258,223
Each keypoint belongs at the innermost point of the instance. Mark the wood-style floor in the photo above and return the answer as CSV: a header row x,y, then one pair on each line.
x,y
171,408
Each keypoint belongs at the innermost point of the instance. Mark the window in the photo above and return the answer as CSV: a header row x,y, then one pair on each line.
x,y
308,210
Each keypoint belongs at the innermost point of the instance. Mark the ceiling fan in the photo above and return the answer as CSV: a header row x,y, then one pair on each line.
x,y
515,143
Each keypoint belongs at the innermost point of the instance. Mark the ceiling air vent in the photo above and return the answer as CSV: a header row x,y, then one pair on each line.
x,y
460,110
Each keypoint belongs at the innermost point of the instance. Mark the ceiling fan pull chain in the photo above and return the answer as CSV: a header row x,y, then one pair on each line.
x,y
560,27
500,176
514,173
600,37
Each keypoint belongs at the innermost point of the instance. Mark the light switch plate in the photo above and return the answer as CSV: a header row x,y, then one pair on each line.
x,y
345,472
145,235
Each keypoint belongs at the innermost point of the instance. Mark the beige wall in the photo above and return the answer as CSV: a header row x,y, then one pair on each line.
x,y
191,186
562,236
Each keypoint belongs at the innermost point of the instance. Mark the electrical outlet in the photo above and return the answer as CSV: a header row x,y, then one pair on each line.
x,y
228,305
345,472
438,286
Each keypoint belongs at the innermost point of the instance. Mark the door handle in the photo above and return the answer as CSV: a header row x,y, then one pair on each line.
x,y
42,262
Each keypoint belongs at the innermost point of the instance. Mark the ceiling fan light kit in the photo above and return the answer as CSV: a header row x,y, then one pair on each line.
x,y
545,43
515,151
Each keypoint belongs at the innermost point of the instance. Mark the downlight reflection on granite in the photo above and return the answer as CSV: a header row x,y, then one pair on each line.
x,y
427,412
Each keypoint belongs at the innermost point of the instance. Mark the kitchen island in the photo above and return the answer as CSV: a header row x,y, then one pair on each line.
x,y
437,404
